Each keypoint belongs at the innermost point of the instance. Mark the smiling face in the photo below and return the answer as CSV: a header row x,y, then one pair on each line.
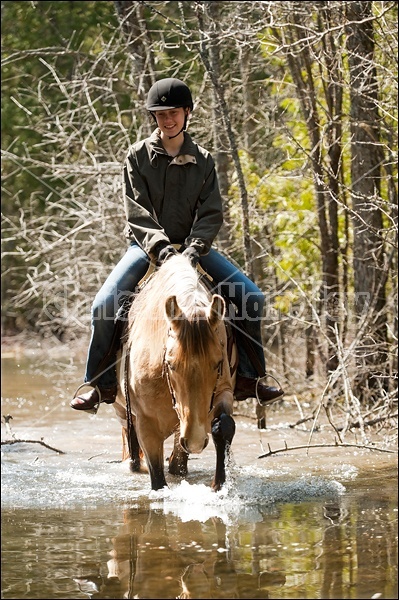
x,y
171,121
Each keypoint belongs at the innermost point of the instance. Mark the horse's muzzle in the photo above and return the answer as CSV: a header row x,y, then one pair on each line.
x,y
193,448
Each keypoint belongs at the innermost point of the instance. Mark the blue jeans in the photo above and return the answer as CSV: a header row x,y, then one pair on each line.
x,y
123,280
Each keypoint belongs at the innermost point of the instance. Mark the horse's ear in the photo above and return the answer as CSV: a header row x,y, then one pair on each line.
x,y
216,310
172,309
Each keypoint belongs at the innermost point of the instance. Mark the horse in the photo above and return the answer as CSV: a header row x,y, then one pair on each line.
x,y
174,375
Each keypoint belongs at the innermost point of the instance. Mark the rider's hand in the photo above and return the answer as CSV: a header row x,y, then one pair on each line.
x,y
164,253
192,254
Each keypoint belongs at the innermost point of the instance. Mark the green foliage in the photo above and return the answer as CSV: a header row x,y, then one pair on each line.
x,y
282,211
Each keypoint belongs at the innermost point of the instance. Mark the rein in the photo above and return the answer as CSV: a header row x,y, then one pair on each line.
x,y
129,417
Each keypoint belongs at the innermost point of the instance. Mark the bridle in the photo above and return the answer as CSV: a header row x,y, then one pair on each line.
x,y
166,373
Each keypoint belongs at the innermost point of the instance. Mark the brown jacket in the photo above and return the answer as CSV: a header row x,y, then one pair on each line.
x,y
174,200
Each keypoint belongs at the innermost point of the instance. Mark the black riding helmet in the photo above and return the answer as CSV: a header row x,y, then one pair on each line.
x,y
169,93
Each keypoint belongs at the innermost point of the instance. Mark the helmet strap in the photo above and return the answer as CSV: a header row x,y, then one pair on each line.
x,y
182,129
174,136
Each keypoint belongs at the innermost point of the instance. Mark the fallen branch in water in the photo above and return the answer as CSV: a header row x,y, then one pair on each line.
x,y
14,441
336,445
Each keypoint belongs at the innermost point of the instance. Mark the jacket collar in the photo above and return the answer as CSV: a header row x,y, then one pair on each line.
x,y
188,148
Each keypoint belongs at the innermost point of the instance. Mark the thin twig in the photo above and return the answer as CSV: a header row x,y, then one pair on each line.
x,y
304,420
329,417
353,424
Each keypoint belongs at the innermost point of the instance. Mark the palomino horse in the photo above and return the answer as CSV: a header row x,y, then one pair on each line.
x,y
174,375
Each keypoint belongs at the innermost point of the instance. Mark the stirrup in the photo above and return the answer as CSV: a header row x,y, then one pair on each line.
x,y
92,411
258,380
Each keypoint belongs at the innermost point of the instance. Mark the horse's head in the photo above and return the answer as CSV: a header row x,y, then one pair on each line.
x,y
194,357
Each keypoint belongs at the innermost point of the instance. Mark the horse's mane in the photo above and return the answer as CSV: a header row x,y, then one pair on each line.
x,y
148,326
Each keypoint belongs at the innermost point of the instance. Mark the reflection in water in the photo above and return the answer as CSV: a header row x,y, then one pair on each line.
x,y
149,561
340,548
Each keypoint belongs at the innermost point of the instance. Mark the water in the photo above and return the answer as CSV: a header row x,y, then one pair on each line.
x,y
80,525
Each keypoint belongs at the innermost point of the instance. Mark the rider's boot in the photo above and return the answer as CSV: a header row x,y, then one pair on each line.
x,y
90,400
246,387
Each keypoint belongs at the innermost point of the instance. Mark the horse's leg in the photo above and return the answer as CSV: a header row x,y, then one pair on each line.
x,y
178,458
130,444
157,475
151,442
223,430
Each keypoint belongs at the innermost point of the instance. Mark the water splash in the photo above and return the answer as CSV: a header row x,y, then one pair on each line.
x,y
195,502
56,481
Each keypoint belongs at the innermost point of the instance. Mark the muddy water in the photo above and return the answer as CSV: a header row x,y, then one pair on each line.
x,y
321,524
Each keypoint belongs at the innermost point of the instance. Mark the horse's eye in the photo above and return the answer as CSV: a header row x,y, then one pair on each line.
x,y
170,366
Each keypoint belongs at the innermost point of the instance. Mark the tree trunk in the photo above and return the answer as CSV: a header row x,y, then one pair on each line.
x,y
221,142
139,43
219,90
300,59
368,246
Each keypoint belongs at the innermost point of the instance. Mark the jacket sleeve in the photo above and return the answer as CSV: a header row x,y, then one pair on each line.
x,y
142,225
209,216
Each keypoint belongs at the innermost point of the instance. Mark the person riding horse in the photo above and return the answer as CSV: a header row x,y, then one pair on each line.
x,y
172,197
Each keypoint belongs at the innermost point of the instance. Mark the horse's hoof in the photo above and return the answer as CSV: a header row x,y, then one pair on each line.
x,y
216,486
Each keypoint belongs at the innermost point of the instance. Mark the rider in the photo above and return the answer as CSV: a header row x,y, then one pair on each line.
x,y
171,197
